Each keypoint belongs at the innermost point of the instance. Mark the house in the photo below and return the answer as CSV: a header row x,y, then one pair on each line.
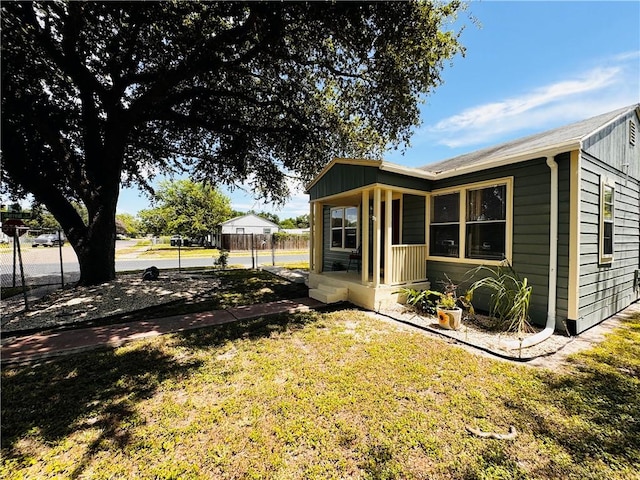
x,y
246,232
249,223
562,206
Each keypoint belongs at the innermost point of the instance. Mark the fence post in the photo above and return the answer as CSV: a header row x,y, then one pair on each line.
x,y
253,258
15,236
24,285
60,251
273,252
179,260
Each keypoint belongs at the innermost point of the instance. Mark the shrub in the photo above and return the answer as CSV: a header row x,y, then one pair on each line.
x,y
510,297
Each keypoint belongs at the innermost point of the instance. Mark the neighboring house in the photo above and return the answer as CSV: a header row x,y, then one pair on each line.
x,y
563,207
249,224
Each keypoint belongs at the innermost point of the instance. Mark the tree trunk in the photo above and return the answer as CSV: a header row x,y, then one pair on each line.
x,y
96,249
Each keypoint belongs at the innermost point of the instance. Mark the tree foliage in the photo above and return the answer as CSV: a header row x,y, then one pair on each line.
x,y
127,224
187,208
99,94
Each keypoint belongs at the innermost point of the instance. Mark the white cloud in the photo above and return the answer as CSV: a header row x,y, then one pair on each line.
x,y
596,91
297,204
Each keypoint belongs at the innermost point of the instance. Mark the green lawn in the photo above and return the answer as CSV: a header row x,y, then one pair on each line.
x,y
333,395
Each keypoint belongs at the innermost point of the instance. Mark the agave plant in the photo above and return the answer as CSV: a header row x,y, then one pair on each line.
x,y
510,297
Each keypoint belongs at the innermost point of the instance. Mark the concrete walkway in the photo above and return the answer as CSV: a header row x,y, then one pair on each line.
x,y
47,345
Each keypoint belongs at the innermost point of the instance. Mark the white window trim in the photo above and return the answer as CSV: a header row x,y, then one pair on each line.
x,y
462,190
344,208
606,258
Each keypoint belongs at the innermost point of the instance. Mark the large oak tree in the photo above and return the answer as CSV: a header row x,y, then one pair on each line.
x,y
96,95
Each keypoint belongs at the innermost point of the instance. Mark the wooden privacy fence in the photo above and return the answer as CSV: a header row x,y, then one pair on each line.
x,y
259,241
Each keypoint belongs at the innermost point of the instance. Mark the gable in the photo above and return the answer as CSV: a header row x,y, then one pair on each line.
x,y
611,145
344,177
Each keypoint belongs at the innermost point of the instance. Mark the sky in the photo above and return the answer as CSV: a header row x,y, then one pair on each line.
x,y
529,67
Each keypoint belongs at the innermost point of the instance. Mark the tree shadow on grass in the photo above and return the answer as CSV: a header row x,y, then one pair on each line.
x,y
250,329
80,392
54,400
602,416
598,408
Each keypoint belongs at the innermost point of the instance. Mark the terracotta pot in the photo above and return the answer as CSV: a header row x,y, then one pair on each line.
x,y
448,318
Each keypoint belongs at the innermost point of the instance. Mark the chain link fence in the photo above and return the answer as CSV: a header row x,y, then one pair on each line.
x,y
37,258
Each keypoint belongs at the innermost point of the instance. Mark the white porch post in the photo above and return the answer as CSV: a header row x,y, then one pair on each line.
x,y
388,237
317,237
427,229
312,230
377,194
364,246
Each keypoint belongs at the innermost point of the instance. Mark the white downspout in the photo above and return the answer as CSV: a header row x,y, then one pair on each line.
x,y
553,267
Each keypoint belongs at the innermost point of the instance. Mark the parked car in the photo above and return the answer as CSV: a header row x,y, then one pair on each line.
x,y
179,240
48,240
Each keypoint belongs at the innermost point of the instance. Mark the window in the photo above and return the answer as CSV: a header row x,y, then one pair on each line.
x,y
344,228
471,223
239,231
266,231
445,225
606,222
486,223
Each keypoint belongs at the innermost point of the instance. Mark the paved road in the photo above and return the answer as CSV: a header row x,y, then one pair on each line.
x,y
42,265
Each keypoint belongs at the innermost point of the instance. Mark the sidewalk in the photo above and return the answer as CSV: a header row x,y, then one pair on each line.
x,y
42,346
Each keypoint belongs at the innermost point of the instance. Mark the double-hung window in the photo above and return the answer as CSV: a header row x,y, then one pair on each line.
x,y
444,238
486,224
471,222
606,221
344,228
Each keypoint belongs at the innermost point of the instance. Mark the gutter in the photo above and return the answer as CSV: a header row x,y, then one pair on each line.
x,y
553,267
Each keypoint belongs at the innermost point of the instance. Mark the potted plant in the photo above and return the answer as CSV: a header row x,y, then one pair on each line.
x,y
449,314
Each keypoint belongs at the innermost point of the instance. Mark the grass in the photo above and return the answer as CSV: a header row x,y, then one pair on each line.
x,y
316,396
294,265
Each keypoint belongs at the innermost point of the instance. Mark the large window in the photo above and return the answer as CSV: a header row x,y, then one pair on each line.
x,y
486,223
606,222
344,228
471,222
445,225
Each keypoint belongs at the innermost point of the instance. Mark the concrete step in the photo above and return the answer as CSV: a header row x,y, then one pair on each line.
x,y
330,289
328,294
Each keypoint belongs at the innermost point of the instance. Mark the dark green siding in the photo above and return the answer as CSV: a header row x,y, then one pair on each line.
x,y
413,219
605,289
342,178
531,195
564,216
611,146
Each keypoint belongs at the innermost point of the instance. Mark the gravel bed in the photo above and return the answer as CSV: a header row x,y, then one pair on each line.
x,y
475,335
126,294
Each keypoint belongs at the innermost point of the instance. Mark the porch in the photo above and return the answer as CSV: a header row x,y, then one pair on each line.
x,y
387,228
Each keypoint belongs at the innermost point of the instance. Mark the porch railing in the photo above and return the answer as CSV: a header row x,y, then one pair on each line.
x,y
408,263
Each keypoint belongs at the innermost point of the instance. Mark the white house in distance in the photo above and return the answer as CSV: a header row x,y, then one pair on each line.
x,y
247,224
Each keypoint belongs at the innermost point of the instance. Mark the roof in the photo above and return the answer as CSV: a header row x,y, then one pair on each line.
x,y
551,142
259,221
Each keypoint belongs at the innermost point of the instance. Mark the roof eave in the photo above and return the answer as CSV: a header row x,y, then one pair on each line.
x,y
549,151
